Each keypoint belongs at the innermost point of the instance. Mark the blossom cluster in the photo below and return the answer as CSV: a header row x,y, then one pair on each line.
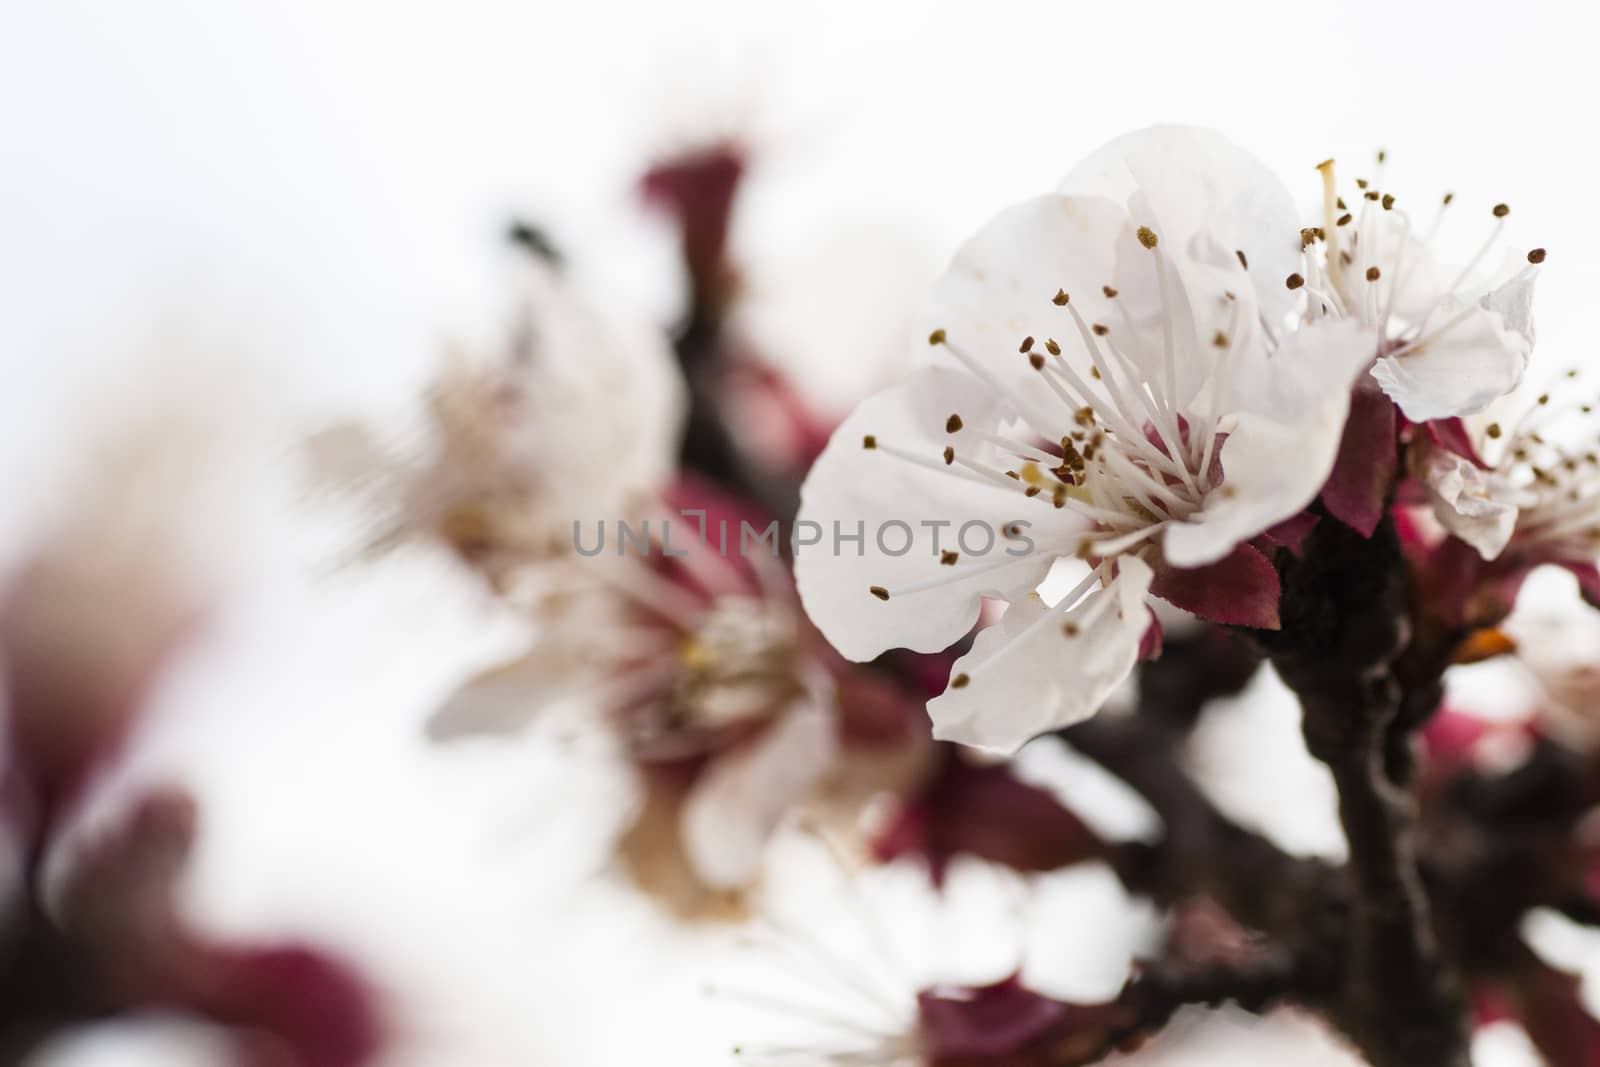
x,y
1156,433
1165,381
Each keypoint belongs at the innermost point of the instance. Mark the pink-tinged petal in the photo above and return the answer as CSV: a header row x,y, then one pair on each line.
x,y
1451,434
1588,576
1241,590
907,577
1041,668
1450,738
984,811
742,796
1291,533
1366,465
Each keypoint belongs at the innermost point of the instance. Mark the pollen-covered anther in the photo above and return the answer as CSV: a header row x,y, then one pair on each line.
x,y
869,441
1147,236
1373,274
1027,343
1536,256
1243,260
952,424
1388,201
1494,431
1071,629
936,337
1100,329
1110,293
1344,220
948,558
949,455
1036,360
1060,299
1501,210
1219,339
1294,281
878,591
960,681
1051,347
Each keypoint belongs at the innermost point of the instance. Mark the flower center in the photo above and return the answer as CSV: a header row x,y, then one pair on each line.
x,y
1369,263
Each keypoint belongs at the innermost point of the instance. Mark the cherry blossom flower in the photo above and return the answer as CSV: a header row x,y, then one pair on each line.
x,y
1109,383
1523,476
1450,343
705,671
512,463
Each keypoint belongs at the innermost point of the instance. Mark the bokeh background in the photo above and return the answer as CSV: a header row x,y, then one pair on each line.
x,y
291,206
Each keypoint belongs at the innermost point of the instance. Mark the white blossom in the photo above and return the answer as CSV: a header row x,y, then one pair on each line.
x,y
1107,384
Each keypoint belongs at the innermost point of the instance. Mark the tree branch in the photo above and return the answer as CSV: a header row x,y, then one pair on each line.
x,y
1345,625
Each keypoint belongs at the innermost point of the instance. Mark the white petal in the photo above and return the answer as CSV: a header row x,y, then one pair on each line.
x,y
1513,302
503,700
1000,289
1204,195
1471,363
898,505
1290,415
1470,502
743,795
1026,675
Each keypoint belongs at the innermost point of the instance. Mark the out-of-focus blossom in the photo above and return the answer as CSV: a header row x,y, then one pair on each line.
x,y
99,606
577,421
1522,479
106,599
1107,386
702,666
1559,650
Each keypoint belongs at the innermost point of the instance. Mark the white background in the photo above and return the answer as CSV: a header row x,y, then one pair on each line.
x,y
306,197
